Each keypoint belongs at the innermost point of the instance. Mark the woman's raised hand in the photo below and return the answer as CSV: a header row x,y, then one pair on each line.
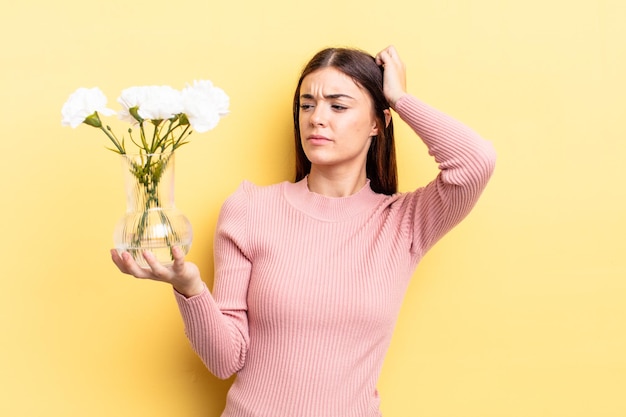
x,y
394,74
183,276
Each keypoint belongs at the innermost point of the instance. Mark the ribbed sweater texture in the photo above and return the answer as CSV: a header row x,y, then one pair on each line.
x,y
308,288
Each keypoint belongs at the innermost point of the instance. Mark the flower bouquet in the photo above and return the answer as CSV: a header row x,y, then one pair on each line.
x,y
163,119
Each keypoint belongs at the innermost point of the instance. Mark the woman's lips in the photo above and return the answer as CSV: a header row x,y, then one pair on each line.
x,y
318,139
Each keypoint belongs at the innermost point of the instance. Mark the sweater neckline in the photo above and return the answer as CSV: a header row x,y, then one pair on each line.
x,y
327,208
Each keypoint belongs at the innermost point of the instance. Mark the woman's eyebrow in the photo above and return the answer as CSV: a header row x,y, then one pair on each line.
x,y
328,97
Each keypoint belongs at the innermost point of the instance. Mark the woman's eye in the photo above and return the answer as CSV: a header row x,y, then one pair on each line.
x,y
304,106
338,107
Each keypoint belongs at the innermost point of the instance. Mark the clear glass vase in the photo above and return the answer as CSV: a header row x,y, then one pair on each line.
x,y
151,222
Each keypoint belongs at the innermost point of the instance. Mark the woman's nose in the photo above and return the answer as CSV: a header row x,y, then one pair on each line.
x,y
317,117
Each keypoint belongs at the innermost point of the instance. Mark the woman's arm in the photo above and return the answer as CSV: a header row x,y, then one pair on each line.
x,y
215,324
466,161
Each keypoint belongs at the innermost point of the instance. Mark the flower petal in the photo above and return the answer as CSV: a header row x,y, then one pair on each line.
x,y
83,103
204,104
155,102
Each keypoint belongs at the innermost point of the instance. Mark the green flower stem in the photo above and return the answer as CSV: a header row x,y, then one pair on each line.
x,y
155,136
148,174
120,148
180,138
142,134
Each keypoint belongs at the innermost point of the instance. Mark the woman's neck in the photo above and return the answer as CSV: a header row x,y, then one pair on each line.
x,y
333,184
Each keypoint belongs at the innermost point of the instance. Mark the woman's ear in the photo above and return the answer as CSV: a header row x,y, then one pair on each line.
x,y
387,121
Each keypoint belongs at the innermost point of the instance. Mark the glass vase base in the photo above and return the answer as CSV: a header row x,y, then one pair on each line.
x,y
163,254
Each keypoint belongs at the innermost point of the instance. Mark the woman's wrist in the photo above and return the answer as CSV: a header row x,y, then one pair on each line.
x,y
397,97
191,289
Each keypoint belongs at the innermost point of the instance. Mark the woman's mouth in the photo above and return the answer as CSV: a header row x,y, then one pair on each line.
x,y
318,139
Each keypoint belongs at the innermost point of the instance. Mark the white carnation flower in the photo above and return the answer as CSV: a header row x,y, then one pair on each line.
x,y
83,103
131,98
204,104
150,102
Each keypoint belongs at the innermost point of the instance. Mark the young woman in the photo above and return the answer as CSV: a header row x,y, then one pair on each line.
x,y
310,275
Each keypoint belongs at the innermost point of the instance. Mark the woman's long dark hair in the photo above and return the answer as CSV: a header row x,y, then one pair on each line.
x,y
381,166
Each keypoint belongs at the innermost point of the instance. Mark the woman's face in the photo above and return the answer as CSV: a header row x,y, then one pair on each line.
x,y
336,120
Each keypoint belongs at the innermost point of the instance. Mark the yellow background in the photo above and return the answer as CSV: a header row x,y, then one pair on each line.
x,y
519,312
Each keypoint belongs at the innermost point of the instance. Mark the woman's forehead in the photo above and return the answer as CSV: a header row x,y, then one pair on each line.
x,y
330,81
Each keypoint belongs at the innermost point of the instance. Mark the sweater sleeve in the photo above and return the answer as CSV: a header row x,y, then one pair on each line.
x,y
217,324
466,162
